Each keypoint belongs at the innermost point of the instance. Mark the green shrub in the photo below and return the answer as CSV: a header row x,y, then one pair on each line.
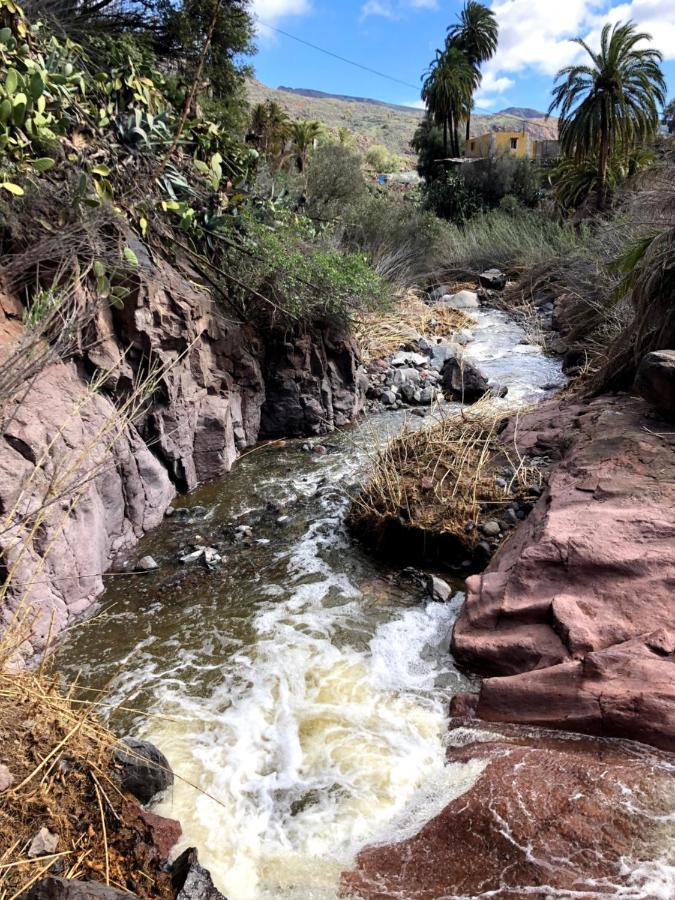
x,y
380,159
334,180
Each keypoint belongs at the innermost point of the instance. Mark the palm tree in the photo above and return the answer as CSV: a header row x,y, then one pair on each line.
x,y
612,102
447,90
303,135
476,34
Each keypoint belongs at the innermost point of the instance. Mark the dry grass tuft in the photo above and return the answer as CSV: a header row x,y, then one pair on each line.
x,y
382,333
61,759
442,479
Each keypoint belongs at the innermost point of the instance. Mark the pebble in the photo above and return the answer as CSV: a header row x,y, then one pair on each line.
x,y
282,520
147,564
491,529
6,778
43,843
438,589
192,557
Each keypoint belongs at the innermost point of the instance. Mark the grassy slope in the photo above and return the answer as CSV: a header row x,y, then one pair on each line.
x,y
379,123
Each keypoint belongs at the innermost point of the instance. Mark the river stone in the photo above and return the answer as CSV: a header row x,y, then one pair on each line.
x,y
142,770
409,359
437,293
491,529
438,589
52,888
655,379
147,564
493,279
463,381
461,300
191,881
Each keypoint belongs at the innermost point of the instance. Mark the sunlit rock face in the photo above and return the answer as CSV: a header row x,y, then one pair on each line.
x,y
573,618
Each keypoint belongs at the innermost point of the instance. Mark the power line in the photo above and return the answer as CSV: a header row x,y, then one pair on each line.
x,y
343,59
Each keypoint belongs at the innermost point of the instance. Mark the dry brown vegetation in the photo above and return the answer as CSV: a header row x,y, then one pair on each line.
x,y
381,333
442,479
61,759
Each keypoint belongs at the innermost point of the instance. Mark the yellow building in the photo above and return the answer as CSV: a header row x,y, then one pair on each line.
x,y
518,144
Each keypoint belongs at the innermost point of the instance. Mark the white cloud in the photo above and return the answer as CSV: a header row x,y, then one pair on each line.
x,y
535,35
273,10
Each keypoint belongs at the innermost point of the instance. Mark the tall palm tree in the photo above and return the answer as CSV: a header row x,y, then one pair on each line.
x,y
476,34
611,103
447,90
303,135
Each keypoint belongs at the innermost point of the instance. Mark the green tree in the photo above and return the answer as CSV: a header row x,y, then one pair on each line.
x,y
447,91
271,128
304,134
610,102
476,34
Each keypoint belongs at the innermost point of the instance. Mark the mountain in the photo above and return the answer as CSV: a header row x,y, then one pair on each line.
x,y
522,112
375,122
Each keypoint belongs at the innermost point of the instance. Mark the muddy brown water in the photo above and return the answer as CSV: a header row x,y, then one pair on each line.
x,y
300,688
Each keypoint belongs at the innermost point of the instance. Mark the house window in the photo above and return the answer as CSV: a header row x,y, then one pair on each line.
x,y
514,143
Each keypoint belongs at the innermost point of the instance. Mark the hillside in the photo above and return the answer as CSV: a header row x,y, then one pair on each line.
x,y
375,122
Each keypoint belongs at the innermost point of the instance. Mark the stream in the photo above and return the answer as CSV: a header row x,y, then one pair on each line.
x,y
301,685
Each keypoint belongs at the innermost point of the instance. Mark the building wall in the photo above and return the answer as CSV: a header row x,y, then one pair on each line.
x,y
517,144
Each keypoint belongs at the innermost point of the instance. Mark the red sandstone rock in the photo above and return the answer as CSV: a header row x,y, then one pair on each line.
x,y
567,817
214,378
570,605
165,833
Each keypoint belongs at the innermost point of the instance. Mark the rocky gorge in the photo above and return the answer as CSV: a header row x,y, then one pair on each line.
x,y
569,624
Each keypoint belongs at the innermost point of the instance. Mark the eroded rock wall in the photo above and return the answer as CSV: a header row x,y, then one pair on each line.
x,y
573,620
79,485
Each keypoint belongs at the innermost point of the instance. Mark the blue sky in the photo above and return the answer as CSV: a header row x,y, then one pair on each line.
x,y
399,37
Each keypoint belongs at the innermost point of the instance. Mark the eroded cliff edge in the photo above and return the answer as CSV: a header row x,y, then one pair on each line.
x,y
217,385
573,620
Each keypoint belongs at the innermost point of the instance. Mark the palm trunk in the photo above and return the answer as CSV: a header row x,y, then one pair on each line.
x,y
445,136
468,126
603,161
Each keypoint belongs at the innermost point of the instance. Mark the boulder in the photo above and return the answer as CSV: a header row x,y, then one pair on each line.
x,y
147,564
655,379
441,353
142,769
438,589
461,380
191,881
573,618
461,300
404,358
52,888
493,280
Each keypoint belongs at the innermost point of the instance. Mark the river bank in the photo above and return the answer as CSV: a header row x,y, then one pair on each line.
x,y
303,687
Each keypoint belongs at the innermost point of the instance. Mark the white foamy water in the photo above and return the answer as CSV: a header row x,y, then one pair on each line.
x,y
309,751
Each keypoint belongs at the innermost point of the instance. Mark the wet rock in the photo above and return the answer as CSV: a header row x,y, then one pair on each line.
x,y
142,769
193,557
572,607
461,300
493,279
438,589
573,360
147,564
165,833
540,817
463,381
655,380
53,888
211,557
6,778
44,843
191,881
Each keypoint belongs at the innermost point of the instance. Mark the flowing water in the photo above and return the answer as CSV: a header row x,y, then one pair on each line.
x,y
302,686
